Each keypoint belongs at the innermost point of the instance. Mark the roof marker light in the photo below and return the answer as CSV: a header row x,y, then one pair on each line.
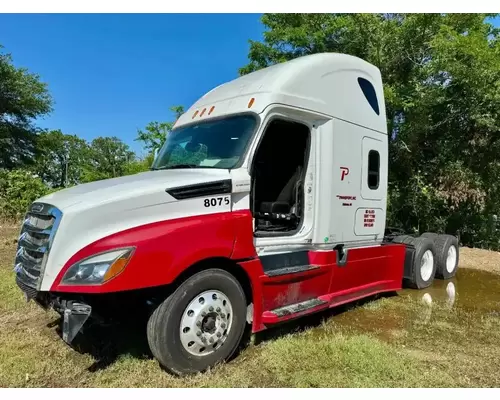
x,y
195,114
203,112
250,103
211,110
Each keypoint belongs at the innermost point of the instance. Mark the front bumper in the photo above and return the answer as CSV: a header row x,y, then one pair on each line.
x,y
74,313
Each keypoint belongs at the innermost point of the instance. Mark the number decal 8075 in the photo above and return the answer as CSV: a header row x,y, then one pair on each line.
x,y
216,201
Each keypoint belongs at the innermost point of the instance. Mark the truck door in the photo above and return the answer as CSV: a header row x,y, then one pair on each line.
x,y
282,206
281,181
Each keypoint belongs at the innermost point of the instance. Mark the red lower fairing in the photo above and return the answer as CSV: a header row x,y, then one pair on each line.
x,y
368,271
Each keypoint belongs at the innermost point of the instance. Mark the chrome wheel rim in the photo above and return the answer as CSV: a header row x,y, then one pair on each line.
x,y
206,323
427,265
451,259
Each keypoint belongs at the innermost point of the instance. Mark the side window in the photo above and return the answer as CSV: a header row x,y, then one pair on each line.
x,y
373,169
370,94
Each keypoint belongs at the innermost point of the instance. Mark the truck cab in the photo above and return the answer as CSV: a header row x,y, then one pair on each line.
x,y
267,202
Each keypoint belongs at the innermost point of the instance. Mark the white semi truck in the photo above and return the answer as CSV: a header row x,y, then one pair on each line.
x,y
266,203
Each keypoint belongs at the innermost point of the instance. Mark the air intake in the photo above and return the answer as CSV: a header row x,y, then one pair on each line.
x,y
201,189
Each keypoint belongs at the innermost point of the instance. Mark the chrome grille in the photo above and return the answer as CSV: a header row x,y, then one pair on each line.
x,y
35,239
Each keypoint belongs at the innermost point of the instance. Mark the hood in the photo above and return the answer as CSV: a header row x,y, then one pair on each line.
x,y
109,190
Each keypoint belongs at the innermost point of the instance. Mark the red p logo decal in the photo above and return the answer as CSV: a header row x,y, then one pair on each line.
x,y
344,171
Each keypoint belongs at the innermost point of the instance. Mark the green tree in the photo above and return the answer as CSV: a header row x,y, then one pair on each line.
x,y
442,88
155,133
18,189
23,98
109,157
61,158
138,165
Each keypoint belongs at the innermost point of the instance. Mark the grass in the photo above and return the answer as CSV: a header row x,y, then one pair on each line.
x,y
397,341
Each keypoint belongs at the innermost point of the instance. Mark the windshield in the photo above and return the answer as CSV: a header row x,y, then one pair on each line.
x,y
213,144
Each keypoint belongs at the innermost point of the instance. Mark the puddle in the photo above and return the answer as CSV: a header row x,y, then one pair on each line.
x,y
473,291
470,290
392,317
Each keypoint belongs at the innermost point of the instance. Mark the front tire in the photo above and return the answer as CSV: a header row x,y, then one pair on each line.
x,y
200,324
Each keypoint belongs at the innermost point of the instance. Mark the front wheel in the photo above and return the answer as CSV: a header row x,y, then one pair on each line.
x,y
200,324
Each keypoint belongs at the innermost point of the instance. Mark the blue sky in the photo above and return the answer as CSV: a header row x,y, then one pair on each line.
x,y
112,74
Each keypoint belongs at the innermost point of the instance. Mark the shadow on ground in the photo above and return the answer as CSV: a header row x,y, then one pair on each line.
x,y
313,321
107,343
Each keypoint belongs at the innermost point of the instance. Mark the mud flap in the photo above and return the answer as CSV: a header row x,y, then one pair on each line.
x,y
75,315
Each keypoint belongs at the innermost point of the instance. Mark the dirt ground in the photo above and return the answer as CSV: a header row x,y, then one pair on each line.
x,y
480,259
445,336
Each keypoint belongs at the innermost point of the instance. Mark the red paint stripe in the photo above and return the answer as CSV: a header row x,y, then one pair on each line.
x,y
165,249
355,293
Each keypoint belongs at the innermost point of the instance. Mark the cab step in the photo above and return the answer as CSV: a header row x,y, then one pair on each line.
x,y
293,310
291,270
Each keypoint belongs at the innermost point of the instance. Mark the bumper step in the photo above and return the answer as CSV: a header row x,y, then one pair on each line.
x,y
74,317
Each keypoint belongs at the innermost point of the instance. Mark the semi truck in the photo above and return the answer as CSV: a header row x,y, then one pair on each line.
x,y
266,203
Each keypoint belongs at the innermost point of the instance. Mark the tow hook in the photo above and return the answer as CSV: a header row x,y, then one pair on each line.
x,y
75,315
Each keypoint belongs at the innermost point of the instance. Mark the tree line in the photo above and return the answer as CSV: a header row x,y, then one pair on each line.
x,y
442,88
35,161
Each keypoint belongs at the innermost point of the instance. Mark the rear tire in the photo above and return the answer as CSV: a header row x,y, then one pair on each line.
x,y
200,324
447,256
404,239
424,263
430,235
423,266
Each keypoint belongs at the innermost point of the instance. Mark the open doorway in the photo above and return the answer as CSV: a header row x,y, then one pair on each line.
x,y
277,178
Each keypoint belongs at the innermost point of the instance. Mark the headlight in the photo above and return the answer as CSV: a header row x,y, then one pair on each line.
x,y
99,268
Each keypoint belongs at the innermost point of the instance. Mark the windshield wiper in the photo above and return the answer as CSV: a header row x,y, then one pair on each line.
x,y
177,166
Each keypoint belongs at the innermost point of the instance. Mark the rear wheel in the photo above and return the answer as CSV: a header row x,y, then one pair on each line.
x,y
427,266
200,324
430,235
447,256
422,268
